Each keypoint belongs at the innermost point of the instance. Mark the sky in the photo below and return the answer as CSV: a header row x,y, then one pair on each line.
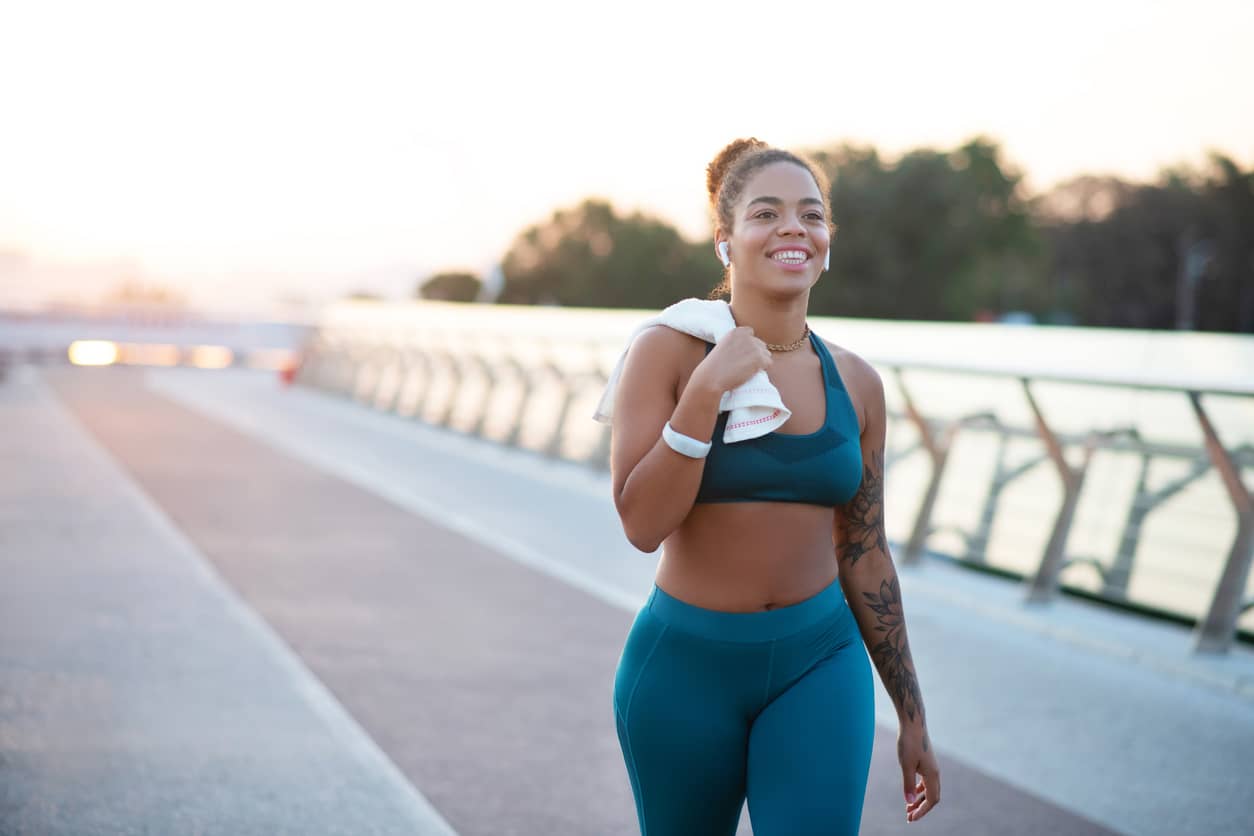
x,y
243,152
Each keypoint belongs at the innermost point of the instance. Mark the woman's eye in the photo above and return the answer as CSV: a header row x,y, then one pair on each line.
x,y
767,213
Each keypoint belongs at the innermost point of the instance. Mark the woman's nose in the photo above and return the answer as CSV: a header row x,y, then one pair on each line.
x,y
792,225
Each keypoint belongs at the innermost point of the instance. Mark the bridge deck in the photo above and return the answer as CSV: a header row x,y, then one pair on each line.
x,y
230,601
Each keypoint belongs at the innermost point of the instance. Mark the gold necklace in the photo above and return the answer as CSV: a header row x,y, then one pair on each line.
x,y
791,346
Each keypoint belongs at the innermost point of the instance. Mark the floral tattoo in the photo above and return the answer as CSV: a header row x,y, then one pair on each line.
x,y
862,528
892,652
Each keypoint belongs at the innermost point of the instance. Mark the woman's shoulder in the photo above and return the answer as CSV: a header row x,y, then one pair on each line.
x,y
660,352
860,370
661,343
861,380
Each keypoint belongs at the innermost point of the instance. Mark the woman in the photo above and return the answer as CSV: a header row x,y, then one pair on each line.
x,y
742,675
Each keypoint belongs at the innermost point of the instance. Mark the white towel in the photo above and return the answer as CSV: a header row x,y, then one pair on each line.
x,y
755,406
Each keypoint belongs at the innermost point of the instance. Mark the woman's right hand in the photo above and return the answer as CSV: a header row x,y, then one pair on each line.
x,y
737,357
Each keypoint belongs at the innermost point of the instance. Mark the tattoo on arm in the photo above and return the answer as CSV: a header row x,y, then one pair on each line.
x,y
862,530
892,652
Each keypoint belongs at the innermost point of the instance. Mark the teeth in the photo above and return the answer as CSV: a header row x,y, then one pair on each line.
x,y
791,256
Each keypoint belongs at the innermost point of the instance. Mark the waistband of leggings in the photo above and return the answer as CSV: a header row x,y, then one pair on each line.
x,y
763,626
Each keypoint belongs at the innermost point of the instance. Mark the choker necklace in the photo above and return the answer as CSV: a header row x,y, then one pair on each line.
x,y
791,346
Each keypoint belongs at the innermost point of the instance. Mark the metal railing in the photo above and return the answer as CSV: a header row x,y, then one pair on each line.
x,y
530,378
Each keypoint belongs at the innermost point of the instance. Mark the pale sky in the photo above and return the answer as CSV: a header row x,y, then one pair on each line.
x,y
240,150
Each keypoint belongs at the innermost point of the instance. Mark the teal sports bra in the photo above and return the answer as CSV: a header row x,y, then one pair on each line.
x,y
819,468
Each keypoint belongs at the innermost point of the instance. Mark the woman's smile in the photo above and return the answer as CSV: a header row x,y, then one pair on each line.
x,y
791,258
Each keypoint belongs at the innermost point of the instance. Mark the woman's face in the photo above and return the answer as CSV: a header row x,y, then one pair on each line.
x,y
781,236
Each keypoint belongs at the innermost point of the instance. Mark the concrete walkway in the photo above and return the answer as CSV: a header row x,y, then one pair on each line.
x,y
1103,713
137,693
465,605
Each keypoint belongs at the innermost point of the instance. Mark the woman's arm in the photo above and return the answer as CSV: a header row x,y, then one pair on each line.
x,y
654,487
869,580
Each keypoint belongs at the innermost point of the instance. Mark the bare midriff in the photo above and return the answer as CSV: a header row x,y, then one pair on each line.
x,y
749,556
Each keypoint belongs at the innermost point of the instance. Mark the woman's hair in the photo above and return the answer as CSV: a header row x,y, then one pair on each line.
x,y
733,167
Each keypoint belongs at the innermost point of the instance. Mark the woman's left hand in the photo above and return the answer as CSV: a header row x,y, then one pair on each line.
x,y
920,771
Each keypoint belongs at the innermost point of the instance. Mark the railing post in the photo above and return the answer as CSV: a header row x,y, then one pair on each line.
x,y
600,455
427,360
405,371
937,448
366,375
388,359
569,385
1217,628
1120,574
1045,583
328,377
346,375
485,403
526,378
1115,580
459,375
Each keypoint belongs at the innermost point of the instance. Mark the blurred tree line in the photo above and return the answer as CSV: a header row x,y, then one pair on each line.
x,y
939,235
140,293
1176,253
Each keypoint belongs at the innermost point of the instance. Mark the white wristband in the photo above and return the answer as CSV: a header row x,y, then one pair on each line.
x,y
684,445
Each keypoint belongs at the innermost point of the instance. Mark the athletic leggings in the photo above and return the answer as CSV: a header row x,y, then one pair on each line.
x,y
776,705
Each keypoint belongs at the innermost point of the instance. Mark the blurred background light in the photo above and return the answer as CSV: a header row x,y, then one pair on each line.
x,y
93,353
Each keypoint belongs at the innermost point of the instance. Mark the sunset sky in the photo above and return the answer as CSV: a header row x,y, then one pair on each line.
x,y
241,151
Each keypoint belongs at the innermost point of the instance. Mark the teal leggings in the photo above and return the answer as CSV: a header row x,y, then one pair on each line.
x,y
776,706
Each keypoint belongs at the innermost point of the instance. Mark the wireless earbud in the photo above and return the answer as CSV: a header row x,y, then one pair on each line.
x,y
723,253
827,260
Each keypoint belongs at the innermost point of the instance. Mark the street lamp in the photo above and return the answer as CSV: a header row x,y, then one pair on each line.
x,y
1195,258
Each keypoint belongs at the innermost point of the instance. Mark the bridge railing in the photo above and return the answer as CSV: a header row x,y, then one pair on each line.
x,y
1114,464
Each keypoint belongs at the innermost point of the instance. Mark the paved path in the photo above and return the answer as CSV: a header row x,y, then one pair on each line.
x,y
138,694
422,579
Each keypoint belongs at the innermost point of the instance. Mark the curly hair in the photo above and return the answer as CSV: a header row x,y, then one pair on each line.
x,y
733,167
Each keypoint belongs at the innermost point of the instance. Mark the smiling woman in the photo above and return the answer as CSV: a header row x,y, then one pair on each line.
x,y
755,457
726,179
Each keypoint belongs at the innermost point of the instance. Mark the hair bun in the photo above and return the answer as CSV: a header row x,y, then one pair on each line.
x,y
717,169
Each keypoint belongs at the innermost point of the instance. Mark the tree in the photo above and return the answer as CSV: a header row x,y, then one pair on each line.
x,y
1226,299
1118,250
145,294
937,235
451,287
946,235
591,256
